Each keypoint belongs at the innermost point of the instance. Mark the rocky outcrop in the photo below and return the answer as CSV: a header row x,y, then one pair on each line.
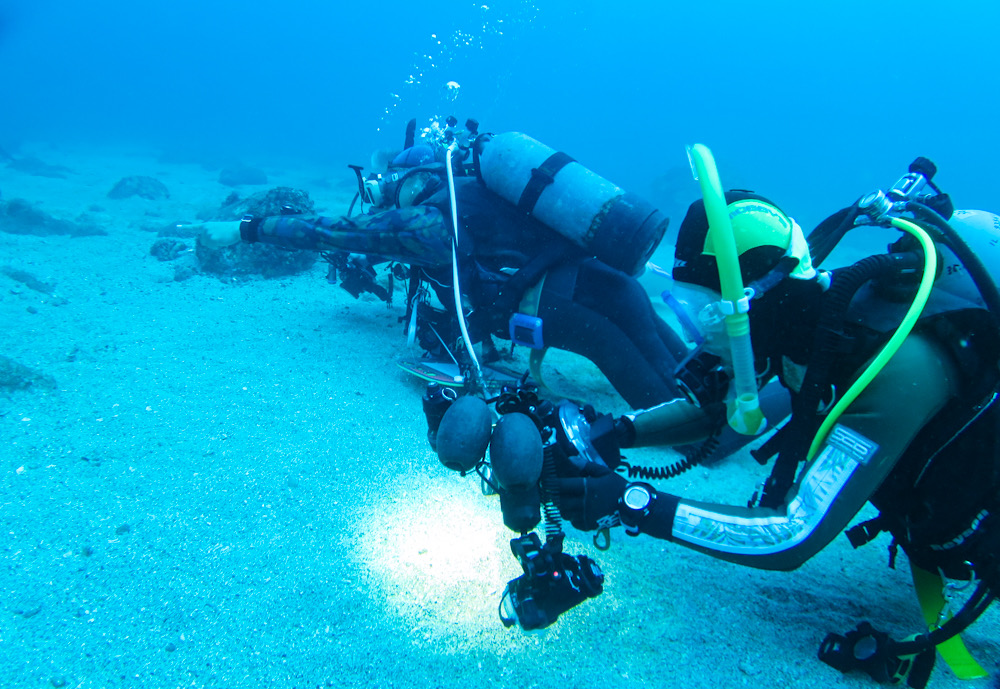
x,y
15,376
38,168
263,203
247,260
168,249
141,186
17,216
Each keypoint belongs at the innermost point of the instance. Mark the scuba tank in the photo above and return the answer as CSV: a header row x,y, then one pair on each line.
x,y
955,287
963,276
617,227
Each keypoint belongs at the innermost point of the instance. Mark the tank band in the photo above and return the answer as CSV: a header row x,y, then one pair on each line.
x,y
541,177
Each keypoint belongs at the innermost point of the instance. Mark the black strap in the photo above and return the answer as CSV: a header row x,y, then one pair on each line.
x,y
776,444
541,177
412,287
411,130
865,532
531,272
250,228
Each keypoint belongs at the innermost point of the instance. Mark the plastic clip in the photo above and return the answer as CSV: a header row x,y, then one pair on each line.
x,y
741,305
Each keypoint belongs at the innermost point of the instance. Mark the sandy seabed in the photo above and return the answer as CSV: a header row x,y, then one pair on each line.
x,y
229,485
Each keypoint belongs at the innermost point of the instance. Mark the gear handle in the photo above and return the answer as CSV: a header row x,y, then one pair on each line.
x,y
924,167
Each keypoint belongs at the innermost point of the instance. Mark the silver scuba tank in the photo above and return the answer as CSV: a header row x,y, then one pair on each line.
x,y
617,227
954,288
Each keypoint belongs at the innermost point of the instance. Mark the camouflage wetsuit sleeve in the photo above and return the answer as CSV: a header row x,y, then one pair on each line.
x,y
418,235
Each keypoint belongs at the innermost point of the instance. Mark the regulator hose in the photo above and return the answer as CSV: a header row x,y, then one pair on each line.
x,y
846,283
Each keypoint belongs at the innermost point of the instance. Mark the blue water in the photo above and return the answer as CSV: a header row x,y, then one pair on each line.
x,y
810,106
227,487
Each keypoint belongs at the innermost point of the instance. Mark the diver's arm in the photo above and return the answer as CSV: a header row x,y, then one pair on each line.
x,y
219,234
418,235
829,493
857,456
677,422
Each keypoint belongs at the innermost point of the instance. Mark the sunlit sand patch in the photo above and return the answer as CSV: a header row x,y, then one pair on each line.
x,y
440,555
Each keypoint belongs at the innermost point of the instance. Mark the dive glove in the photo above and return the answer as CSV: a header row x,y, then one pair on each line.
x,y
591,503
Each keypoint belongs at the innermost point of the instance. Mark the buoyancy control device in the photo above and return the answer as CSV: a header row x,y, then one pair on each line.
x,y
969,250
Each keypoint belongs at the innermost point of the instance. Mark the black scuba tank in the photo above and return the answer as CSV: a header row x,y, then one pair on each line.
x,y
617,227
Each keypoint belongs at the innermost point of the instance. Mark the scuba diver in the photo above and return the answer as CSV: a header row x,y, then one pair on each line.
x,y
543,250
892,367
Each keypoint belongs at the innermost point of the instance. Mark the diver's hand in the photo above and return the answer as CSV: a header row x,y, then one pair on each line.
x,y
219,234
607,436
624,431
588,503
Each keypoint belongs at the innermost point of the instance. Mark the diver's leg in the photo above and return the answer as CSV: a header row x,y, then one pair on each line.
x,y
571,326
622,300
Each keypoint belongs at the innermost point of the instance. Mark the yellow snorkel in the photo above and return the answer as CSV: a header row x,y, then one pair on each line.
x,y
745,415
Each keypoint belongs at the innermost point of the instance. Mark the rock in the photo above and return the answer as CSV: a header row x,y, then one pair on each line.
x,y
31,282
38,168
184,272
28,280
239,174
263,203
167,249
28,613
15,376
141,186
17,216
245,260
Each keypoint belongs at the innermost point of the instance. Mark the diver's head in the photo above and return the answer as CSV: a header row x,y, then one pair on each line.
x,y
766,240
417,186
409,179
764,236
414,156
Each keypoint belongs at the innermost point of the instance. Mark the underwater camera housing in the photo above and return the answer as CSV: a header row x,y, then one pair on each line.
x,y
570,441
552,583
533,443
355,275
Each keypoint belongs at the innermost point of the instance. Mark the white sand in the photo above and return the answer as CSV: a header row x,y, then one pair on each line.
x,y
231,486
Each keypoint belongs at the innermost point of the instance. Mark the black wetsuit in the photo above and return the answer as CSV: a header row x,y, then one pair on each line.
x,y
586,306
